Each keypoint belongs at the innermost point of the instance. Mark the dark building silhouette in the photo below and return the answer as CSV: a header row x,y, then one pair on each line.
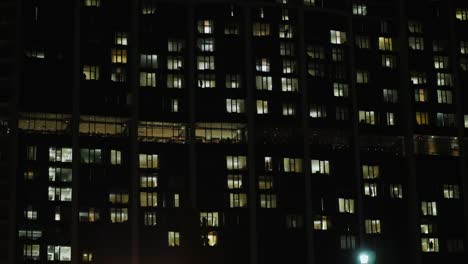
x,y
286,131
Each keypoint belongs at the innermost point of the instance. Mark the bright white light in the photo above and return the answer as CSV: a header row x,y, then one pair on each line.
x,y
364,258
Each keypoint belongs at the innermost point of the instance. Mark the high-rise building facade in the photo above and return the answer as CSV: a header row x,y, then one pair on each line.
x,y
297,131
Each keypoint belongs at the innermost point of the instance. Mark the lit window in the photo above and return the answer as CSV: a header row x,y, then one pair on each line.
x,y
235,105
30,213
286,31
347,242
422,118
30,234
388,61
118,198
359,9
119,215
289,109
262,65
322,222
451,191
318,111
294,221
370,189
60,174
260,29
60,154
337,37
147,79
286,49
206,81
390,118
206,44
234,181
149,180
210,239
90,156
268,164
372,226
416,43
31,153
309,2
236,163
175,81
464,47
420,95
31,251
444,97
292,165
148,199
289,66
118,74
461,14
205,26
89,215
205,63
320,166
367,117
267,200
441,62
233,81
148,161
385,44
119,55
148,7
362,76
263,83
91,72
95,3
396,191
390,95
237,200
429,208
265,182
209,219
289,84
174,105
445,120
37,54
465,118
427,228
87,256
444,79
429,244
173,238
370,172
175,45
150,218
175,63
120,38
284,13
262,107
58,253
346,205
149,61
115,157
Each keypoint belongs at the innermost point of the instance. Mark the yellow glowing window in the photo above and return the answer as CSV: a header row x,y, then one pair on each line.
x,y
119,56
385,44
